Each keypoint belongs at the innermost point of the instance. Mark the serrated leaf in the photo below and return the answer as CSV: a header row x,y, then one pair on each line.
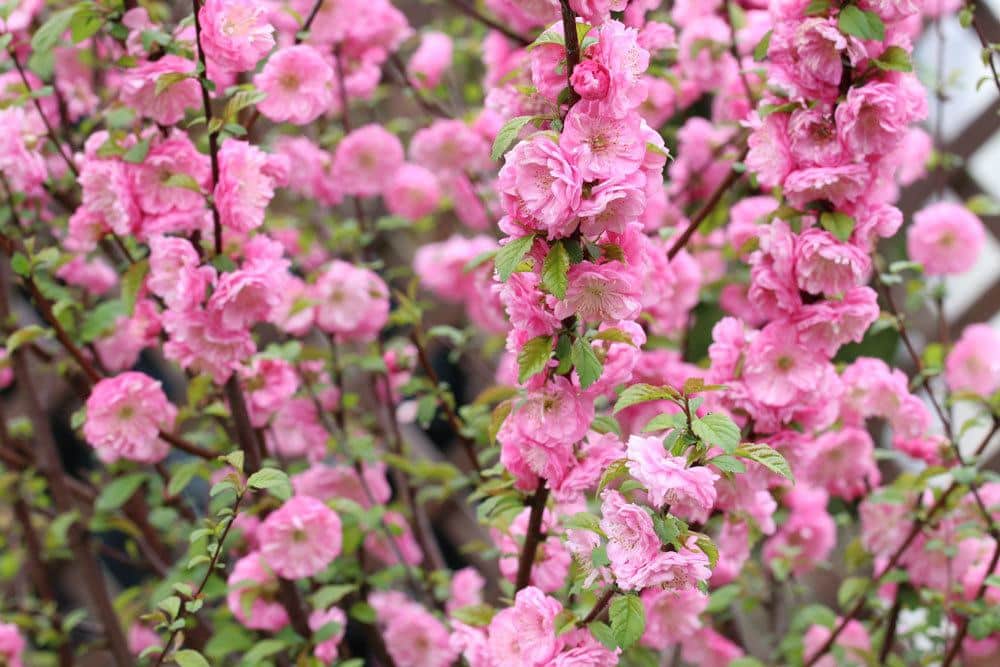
x,y
896,59
765,455
182,180
708,547
839,224
860,23
588,366
47,36
117,493
760,51
602,633
534,357
508,134
509,256
274,481
664,421
614,335
717,429
628,620
555,269
727,463
643,393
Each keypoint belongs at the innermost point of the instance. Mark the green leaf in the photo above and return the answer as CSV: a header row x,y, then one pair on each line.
x,y
587,365
117,493
165,81
261,650
182,180
46,37
131,283
894,58
25,335
722,598
628,620
643,393
603,634
86,22
708,547
190,658
864,25
665,421
533,357
614,335
476,615
331,595
717,429
817,7
850,589
182,476
274,481
363,612
509,257
101,320
555,269
760,51
584,521
508,134
839,224
21,265
137,153
727,463
766,456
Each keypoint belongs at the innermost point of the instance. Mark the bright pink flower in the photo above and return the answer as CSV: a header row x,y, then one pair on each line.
x,y
312,166
813,137
412,193
197,342
707,648
268,382
96,276
6,372
300,538
175,95
11,645
466,589
403,544
808,535
824,265
601,145
599,293
591,80
366,159
671,616
125,415
431,59
120,349
109,196
854,642
843,462
415,638
779,370
441,266
251,576
612,205
690,492
974,363
298,82
525,633
839,185
174,274
247,179
21,135
352,302
327,482
619,52
326,650
141,637
873,119
296,431
174,156
946,238
449,146
235,34
540,186
828,324
812,51
769,156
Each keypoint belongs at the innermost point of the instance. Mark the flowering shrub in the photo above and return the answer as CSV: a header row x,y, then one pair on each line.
x,y
272,246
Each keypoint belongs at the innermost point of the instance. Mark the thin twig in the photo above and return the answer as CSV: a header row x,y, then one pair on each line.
x,y
489,22
985,44
533,537
213,137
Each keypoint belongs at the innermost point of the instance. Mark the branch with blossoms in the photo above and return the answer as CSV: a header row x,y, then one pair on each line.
x,y
537,333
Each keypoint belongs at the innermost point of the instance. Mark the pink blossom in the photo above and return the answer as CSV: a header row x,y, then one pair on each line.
x,y
296,431
872,120
326,650
327,482
854,642
583,650
352,302
551,560
95,276
412,193
21,133
769,155
198,342
109,196
174,274
300,538
540,186
828,324
11,645
252,576
707,648
141,637
120,349
449,146
946,238
525,633
839,185
313,167
6,372
268,382
415,638
843,462
601,145
599,293
431,59
779,370
403,544
973,365
612,205
441,266
235,34
671,616
591,80
690,492
298,83
809,534
824,265
247,179
466,589
125,415
176,94
174,156
366,159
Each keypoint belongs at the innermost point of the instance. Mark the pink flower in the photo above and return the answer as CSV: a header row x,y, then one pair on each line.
x,y
174,274
296,431
690,492
779,370
173,156
403,544
441,266
591,80
366,159
352,302
525,634
108,195
141,637
601,145
828,324
843,462
327,482
125,415
809,534
268,382
449,146
769,155
854,642
300,538
11,645
247,179
431,59
618,51
198,342
20,160
96,276
671,616
974,363
824,265
612,205
946,238
298,82
599,293
251,576
839,185
707,648
873,119
814,140
540,187
235,33
326,650
312,165
177,93
415,638
466,589
412,193
551,560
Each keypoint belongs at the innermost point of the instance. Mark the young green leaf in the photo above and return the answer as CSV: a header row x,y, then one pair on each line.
x,y
628,620
642,393
190,658
555,269
857,22
533,357
508,134
117,493
766,456
839,224
717,429
274,481
509,257
587,365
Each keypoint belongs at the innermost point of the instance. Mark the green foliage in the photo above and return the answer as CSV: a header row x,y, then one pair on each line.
x,y
628,619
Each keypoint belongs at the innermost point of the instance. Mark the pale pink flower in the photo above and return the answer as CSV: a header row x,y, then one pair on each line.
x,y
946,238
873,119
525,633
843,462
839,185
449,146
296,431
298,82
197,342
268,382
141,637
824,265
583,650
247,179
854,642
601,145
828,324
974,363
779,370
351,302
120,349
11,645
109,196
412,192
599,293
125,415
301,538
808,535
540,186
313,169
21,162
95,276
326,650
235,34
252,577
769,155
177,93
466,589
327,482
690,492
366,159
441,266
174,272
174,156
431,59
415,638
551,560
671,616
612,205
707,648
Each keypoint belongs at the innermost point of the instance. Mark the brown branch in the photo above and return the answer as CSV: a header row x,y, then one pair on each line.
x,y
489,22
428,104
599,607
532,537
890,632
572,47
213,137
985,44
